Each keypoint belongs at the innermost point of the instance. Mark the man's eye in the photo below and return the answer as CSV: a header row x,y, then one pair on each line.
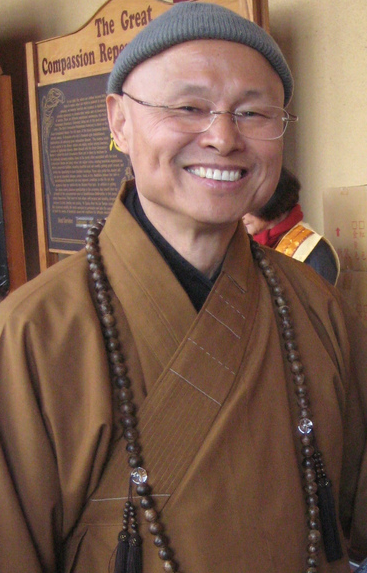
x,y
249,113
190,109
255,113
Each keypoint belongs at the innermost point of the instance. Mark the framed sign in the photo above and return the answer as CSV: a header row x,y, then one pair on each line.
x,y
78,169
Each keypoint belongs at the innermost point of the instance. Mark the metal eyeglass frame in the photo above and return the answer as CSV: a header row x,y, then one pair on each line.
x,y
290,118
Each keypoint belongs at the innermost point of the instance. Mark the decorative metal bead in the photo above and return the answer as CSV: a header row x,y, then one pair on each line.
x,y
305,427
139,475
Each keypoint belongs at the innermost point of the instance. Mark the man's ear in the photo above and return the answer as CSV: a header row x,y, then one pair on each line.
x,y
116,120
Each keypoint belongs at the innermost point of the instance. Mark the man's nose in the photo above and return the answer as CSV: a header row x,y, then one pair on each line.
x,y
223,134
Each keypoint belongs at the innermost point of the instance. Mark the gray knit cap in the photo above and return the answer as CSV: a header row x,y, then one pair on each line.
x,y
188,21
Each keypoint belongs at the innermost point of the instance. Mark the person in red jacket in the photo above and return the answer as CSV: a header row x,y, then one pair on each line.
x,y
279,224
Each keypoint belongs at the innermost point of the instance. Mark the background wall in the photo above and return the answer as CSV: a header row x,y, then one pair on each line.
x,y
325,42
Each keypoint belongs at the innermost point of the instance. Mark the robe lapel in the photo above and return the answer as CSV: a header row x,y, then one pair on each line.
x,y
198,357
158,310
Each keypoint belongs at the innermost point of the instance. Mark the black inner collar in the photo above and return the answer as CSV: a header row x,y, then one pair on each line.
x,y
195,283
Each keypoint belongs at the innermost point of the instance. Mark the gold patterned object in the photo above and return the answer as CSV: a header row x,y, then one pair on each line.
x,y
290,243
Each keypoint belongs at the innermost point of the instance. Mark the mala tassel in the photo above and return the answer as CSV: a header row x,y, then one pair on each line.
x,y
134,560
330,533
122,552
129,548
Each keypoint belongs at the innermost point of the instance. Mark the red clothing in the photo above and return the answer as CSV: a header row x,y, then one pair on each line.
x,y
270,237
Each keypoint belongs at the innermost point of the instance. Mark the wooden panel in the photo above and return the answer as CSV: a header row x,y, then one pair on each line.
x,y
10,188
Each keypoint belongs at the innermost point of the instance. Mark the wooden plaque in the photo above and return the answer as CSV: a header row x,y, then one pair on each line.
x,y
77,168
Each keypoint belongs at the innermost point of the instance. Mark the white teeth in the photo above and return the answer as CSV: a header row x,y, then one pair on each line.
x,y
216,174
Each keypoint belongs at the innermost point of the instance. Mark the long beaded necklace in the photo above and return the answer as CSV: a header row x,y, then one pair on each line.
x,y
317,487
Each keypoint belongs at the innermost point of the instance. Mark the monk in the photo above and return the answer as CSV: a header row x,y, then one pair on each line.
x,y
174,397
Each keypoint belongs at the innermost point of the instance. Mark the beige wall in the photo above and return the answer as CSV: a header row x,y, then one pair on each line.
x,y
325,42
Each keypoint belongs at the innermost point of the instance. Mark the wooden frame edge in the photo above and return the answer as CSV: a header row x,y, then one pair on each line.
x,y
46,259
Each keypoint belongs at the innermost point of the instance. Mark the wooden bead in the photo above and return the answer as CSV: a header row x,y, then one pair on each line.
x,y
150,515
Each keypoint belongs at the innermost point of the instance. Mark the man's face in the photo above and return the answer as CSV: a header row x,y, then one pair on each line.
x,y
167,163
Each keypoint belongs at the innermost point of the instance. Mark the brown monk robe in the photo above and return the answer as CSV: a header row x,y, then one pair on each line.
x,y
217,411
196,100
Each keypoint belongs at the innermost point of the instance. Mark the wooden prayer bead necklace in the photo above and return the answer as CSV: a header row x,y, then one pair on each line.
x,y
317,487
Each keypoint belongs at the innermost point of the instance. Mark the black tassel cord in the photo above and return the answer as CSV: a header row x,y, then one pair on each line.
x,y
129,547
330,533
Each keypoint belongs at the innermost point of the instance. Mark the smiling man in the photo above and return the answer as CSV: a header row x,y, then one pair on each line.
x,y
163,389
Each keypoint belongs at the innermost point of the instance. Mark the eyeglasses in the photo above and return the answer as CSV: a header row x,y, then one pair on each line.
x,y
196,115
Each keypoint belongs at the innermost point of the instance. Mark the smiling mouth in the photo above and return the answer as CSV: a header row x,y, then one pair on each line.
x,y
217,174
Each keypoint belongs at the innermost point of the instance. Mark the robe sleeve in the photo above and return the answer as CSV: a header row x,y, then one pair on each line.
x,y
30,515
353,498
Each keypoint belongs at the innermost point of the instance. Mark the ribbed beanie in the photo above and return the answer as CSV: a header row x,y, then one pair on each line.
x,y
188,21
